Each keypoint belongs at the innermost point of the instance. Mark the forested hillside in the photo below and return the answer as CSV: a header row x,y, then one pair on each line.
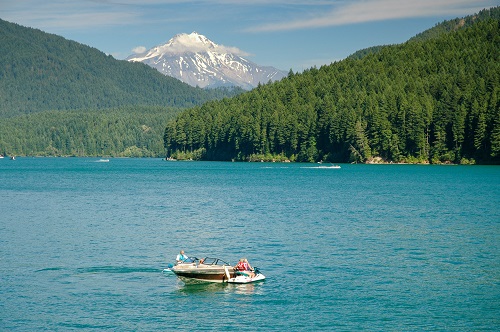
x,y
41,71
433,99
439,29
118,132
458,23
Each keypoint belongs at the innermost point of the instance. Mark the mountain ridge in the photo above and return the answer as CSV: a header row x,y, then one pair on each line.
x,y
439,29
198,61
35,66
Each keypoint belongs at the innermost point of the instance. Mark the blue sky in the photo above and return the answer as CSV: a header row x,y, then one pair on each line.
x,y
286,34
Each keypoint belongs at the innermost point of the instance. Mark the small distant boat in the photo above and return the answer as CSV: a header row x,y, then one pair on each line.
x,y
331,166
102,161
13,158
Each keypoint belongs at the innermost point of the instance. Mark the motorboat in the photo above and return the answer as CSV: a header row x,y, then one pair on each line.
x,y
207,269
331,166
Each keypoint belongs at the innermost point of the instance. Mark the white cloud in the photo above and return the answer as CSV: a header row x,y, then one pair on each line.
x,y
68,14
195,43
234,50
139,49
299,14
61,15
350,12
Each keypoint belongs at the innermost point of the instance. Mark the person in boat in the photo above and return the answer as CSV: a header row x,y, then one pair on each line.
x,y
181,257
244,268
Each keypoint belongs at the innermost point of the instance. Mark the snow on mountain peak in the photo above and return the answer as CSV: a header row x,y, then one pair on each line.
x,y
184,43
198,61
187,43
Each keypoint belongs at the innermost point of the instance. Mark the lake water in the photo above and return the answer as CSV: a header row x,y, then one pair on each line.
x,y
365,247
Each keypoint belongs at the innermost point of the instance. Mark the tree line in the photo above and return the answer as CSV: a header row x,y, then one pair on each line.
x,y
119,132
433,99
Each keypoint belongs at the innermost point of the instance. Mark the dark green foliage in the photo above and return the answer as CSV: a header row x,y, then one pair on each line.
x,y
438,30
119,132
434,99
41,71
366,51
458,23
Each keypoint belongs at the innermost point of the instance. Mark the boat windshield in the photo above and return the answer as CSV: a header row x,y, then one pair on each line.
x,y
214,261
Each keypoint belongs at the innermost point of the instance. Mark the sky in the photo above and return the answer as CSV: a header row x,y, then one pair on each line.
x,y
286,34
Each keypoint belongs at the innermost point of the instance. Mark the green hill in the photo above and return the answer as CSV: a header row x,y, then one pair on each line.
x,y
457,23
432,99
41,71
436,31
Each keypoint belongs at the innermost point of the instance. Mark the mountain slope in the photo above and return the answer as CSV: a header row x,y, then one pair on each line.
x,y
457,23
439,29
198,61
41,71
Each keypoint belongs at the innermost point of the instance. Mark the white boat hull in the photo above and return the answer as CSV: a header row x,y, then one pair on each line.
x,y
245,279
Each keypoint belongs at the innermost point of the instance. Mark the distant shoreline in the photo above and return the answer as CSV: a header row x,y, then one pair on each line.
x,y
372,161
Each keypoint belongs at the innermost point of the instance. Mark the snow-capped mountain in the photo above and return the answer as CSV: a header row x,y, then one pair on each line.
x,y
198,61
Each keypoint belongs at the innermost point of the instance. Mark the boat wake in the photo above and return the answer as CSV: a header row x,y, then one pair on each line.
x,y
117,269
104,269
323,167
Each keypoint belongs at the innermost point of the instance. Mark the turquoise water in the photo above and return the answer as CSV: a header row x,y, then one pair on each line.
x,y
364,247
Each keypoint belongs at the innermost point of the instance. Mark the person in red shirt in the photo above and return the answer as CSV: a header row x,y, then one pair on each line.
x,y
245,268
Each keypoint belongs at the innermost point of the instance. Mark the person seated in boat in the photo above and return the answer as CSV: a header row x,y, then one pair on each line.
x,y
181,257
244,268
